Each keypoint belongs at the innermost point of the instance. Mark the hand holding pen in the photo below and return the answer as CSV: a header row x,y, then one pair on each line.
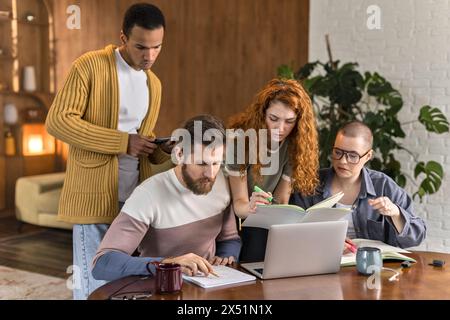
x,y
349,246
259,196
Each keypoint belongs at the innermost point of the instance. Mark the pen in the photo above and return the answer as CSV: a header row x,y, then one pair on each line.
x,y
270,199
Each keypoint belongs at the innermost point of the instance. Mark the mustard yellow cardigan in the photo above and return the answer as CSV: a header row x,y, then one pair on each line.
x,y
84,114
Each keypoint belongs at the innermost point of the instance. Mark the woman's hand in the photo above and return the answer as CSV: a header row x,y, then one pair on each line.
x,y
384,206
258,198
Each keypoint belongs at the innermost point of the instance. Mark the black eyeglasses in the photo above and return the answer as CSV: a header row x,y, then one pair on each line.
x,y
351,156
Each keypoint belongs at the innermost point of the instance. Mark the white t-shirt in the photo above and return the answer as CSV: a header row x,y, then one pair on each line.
x,y
133,106
349,217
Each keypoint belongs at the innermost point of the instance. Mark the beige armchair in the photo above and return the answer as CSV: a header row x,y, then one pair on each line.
x,y
37,199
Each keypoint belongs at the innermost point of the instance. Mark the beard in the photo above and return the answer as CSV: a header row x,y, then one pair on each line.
x,y
200,186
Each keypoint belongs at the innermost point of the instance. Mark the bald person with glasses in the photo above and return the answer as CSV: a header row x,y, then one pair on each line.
x,y
380,209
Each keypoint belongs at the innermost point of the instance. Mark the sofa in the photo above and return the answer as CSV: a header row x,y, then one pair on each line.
x,y
37,199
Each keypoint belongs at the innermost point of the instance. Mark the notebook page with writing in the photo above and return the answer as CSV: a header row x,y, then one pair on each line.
x,y
226,274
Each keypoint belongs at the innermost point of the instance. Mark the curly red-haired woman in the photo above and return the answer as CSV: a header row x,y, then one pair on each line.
x,y
284,108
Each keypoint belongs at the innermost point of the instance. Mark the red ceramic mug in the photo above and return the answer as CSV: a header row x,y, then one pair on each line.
x,y
169,278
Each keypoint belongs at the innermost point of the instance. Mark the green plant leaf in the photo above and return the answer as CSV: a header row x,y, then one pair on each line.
x,y
394,99
309,84
337,93
350,86
376,164
392,168
285,72
421,193
433,177
321,86
393,127
305,71
401,180
382,90
433,119
420,167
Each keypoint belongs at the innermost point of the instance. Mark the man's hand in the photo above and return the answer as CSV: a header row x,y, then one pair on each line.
x,y
191,264
168,146
140,146
221,261
384,206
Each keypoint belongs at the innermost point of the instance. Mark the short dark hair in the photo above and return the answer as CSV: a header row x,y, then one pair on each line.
x,y
357,129
144,15
208,122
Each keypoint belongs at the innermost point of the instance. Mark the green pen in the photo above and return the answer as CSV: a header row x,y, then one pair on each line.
x,y
258,189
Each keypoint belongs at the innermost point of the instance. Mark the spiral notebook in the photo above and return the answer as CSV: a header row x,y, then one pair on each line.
x,y
227,276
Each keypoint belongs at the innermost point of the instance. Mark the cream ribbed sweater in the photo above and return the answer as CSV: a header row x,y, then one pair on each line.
x,y
85,114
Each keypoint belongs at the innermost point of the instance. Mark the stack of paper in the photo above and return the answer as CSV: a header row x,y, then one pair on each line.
x,y
226,274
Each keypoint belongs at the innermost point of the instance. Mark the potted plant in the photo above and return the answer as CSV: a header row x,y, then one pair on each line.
x,y
340,93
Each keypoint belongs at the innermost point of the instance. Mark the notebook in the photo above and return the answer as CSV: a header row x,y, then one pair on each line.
x,y
226,274
388,252
268,215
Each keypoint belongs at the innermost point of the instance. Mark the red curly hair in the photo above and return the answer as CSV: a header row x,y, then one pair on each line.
x,y
303,141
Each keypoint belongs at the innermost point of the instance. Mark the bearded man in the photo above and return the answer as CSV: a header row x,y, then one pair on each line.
x,y
179,216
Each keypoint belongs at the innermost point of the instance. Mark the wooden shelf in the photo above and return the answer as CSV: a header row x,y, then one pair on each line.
x,y
44,98
25,22
25,43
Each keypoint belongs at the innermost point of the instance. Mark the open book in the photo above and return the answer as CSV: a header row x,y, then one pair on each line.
x,y
226,274
267,215
387,252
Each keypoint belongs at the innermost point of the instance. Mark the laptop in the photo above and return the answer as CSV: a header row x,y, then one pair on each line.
x,y
301,249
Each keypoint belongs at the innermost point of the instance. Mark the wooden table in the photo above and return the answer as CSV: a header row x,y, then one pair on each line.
x,y
421,281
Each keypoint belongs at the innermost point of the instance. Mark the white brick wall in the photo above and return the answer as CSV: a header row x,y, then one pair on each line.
x,y
412,50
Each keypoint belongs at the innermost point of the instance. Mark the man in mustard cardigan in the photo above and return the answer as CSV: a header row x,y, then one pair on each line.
x,y
106,112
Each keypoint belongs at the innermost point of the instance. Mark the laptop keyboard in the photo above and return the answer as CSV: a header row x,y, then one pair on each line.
x,y
260,270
